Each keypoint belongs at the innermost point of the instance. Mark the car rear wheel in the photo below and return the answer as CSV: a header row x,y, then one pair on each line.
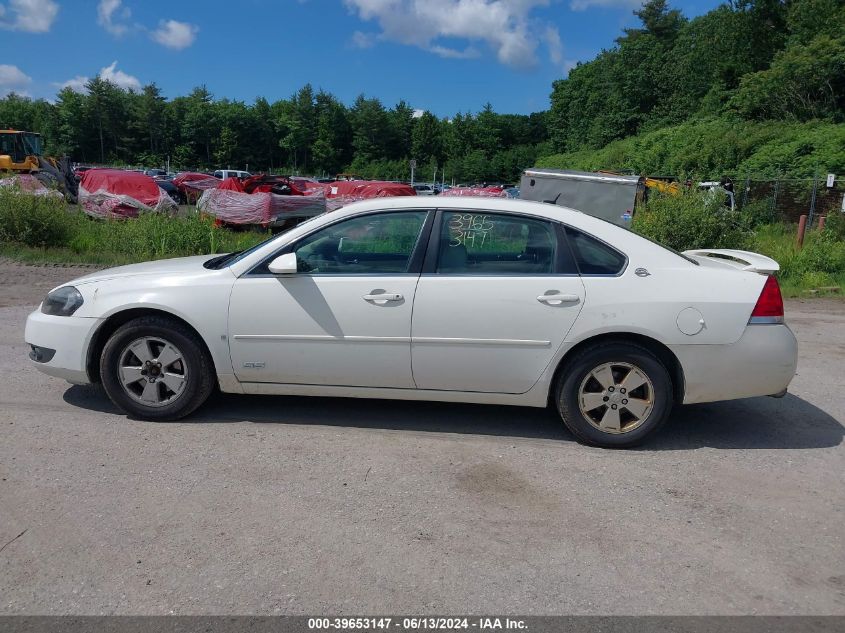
x,y
614,395
156,368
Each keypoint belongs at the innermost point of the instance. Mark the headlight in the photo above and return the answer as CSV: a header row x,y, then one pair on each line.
x,y
62,301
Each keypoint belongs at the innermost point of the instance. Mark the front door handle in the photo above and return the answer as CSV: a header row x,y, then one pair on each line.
x,y
384,297
558,299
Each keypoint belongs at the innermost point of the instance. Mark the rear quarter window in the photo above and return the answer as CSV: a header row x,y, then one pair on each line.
x,y
593,256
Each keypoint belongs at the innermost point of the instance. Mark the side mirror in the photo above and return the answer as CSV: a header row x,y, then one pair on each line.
x,y
283,264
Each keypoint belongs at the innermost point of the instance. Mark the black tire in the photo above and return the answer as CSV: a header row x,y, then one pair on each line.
x,y
198,368
578,370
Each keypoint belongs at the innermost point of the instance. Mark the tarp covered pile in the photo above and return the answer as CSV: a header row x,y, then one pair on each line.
x,y
266,200
114,193
192,184
478,192
262,200
28,183
343,192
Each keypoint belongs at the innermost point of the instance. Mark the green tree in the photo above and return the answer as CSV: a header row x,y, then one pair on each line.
x,y
370,129
105,108
148,118
427,144
71,124
330,150
226,147
401,123
199,124
804,82
487,131
299,121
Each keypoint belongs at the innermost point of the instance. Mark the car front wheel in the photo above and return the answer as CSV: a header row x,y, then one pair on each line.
x,y
156,368
614,395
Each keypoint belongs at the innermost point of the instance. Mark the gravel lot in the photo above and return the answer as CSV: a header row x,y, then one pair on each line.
x,y
304,506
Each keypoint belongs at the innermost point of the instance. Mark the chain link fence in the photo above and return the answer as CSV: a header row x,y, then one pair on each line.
x,y
787,199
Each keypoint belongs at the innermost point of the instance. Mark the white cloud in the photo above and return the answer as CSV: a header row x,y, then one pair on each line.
x,y
363,40
568,65
109,73
13,79
452,53
32,16
553,44
174,34
77,84
119,78
417,113
583,5
113,17
505,25
110,13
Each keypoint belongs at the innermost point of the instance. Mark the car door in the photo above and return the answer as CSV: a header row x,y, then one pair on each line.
x,y
497,296
344,318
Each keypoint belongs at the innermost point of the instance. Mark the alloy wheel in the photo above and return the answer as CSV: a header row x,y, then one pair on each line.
x,y
616,397
152,371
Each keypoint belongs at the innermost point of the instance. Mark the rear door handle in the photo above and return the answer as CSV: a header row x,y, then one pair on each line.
x,y
383,298
557,300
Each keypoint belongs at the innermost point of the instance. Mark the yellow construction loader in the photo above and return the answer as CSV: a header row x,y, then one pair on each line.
x,y
22,152
19,151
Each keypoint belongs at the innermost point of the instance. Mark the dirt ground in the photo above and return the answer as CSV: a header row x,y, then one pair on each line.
x,y
269,505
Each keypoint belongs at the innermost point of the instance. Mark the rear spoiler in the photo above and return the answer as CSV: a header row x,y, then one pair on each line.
x,y
743,260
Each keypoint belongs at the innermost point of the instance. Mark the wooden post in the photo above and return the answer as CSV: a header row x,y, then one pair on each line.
x,y
802,226
822,218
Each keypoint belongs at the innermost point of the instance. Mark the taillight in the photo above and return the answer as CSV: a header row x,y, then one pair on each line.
x,y
769,308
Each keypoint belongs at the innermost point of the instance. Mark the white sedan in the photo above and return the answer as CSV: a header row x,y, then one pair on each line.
x,y
455,299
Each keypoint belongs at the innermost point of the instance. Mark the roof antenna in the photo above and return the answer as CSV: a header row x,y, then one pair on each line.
x,y
552,201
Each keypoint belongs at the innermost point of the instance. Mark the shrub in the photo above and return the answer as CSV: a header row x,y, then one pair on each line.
x,y
716,146
691,219
33,220
818,264
758,213
822,253
835,223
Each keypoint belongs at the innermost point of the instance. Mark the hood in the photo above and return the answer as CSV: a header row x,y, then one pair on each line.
x,y
158,267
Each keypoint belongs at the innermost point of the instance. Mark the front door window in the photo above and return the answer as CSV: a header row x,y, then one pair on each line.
x,y
368,245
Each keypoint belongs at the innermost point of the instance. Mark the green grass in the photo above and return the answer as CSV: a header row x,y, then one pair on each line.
x,y
41,230
819,264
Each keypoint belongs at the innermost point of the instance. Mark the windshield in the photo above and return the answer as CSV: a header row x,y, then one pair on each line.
x,y
31,144
231,258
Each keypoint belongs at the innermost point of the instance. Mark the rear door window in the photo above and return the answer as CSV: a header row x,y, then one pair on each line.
x,y
593,256
481,243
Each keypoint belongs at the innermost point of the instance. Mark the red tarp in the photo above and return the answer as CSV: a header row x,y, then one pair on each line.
x,y
118,193
267,183
305,184
232,206
231,184
343,192
479,192
193,183
363,189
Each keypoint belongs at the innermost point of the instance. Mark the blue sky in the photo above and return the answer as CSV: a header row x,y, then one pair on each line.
x,y
442,55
